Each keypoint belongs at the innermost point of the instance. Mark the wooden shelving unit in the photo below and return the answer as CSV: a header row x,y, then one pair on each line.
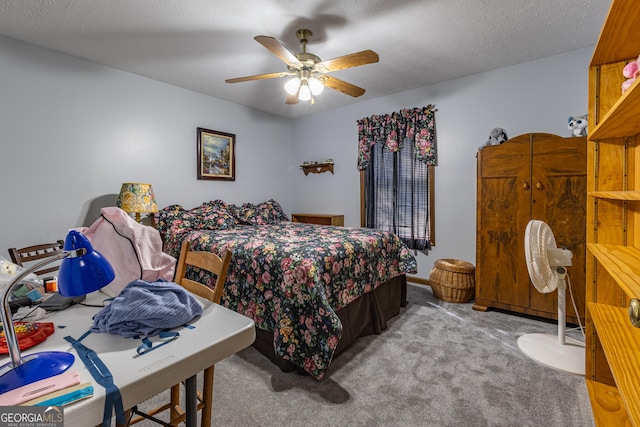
x,y
613,222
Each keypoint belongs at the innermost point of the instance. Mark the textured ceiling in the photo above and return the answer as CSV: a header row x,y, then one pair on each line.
x,y
197,44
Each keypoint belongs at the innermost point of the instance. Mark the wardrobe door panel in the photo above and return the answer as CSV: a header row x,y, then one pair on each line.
x,y
503,200
559,198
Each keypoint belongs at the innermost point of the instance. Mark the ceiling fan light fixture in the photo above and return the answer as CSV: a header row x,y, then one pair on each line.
x,y
315,85
292,86
305,92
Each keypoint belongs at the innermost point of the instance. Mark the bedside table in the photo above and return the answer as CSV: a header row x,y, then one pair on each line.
x,y
322,219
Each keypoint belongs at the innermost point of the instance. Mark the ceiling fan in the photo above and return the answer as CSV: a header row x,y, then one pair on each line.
x,y
310,74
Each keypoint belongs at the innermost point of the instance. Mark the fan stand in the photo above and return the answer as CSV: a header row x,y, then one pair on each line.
x,y
561,352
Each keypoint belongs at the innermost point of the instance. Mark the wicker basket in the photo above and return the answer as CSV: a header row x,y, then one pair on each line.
x,y
453,280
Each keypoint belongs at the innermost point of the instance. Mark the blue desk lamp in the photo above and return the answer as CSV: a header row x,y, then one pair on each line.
x,y
82,270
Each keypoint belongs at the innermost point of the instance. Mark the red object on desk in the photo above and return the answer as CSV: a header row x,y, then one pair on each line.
x,y
28,334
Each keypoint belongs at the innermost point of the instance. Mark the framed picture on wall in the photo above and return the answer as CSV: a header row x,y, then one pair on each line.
x,y
216,155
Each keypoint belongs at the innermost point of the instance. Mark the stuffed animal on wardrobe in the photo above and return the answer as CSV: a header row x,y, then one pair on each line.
x,y
578,125
496,137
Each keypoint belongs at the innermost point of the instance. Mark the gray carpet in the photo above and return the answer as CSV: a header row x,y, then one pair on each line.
x,y
438,364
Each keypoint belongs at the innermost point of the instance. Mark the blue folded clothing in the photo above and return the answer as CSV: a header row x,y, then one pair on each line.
x,y
146,309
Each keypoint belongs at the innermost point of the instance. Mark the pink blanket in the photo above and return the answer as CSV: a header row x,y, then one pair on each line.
x,y
133,249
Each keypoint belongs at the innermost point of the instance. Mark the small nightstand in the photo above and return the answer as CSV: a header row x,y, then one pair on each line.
x,y
322,219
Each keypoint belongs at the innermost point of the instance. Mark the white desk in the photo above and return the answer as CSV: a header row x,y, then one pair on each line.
x,y
218,333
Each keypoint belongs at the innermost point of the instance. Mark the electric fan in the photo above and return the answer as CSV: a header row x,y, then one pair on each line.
x,y
547,269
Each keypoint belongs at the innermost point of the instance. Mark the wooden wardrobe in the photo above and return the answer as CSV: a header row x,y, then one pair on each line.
x,y
532,176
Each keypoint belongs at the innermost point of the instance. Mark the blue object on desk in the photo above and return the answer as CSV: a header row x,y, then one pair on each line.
x,y
68,398
34,295
83,274
34,367
82,270
101,373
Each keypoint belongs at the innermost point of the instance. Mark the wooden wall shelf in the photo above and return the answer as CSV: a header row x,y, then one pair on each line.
x,y
317,168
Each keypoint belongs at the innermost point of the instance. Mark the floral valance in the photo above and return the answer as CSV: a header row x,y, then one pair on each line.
x,y
415,125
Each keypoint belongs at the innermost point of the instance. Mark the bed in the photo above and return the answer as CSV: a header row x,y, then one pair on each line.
x,y
310,289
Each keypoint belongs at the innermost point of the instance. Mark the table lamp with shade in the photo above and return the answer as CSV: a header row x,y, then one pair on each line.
x,y
82,270
138,198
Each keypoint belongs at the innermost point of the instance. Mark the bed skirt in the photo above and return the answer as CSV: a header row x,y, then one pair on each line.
x,y
366,315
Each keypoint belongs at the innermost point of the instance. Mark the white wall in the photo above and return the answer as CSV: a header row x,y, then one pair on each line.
x,y
536,96
72,131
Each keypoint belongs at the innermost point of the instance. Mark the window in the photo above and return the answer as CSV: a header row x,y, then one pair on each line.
x,y
396,159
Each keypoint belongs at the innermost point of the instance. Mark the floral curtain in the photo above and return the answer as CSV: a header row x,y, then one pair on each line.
x,y
396,153
415,125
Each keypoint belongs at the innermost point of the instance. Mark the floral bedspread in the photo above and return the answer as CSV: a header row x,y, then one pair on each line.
x,y
290,278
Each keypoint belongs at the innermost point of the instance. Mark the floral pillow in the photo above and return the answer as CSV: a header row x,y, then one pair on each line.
x,y
174,218
216,204
272,210
265,213
248,214
235,211
215,215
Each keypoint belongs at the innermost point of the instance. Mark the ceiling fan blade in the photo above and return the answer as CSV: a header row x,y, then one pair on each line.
x,y
278,50
257,77
342,86
347,61
292,99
